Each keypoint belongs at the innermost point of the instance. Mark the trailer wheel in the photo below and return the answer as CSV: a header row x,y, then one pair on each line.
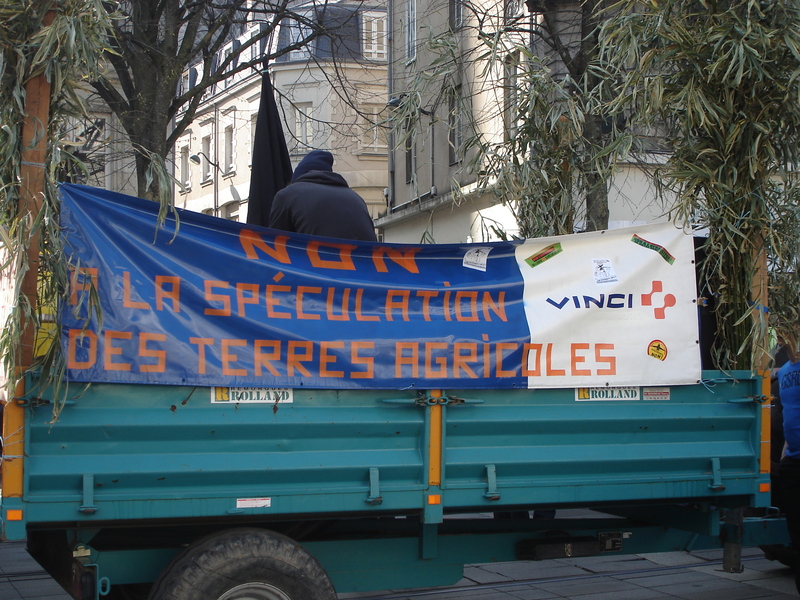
x,y
244,564
783,554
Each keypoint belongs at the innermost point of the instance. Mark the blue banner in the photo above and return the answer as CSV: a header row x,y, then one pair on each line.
x,y
209,302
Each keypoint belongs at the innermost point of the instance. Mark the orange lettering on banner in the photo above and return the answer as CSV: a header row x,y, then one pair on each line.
x,y
325,359
526,360
174,294
463,354
499,359
83,285
472,298
246,293
579,354
201,344
126,295
302,290
549,370
229,357
159,355
430,359
345,251
576,359
427,296
74,336
356,359
405,260
401,303
251,242
611,361
359,315
345,315
110,351
498,308
298,353
225,311
487,355
262,358
408,361
271,301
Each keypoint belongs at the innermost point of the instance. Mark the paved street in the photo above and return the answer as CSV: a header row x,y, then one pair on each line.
x,y
669,575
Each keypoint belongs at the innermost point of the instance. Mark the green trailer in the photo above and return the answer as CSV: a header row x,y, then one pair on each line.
x,y
355,490
259,415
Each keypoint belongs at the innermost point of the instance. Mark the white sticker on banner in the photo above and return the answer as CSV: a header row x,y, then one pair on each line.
x,y
476,258
603,271
232,395
656,393
607,393
253,502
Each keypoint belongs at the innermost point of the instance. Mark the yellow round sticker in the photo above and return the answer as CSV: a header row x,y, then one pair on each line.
x,y
657,349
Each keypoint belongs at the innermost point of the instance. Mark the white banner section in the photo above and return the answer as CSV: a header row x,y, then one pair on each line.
x,y
611,308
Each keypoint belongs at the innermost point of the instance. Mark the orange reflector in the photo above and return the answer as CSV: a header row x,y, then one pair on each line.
x,y
435,499
14,515
763,487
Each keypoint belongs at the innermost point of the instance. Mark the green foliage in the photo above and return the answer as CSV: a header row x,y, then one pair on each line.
x,y
720,80
552,155
558,152
66,52
703,93
544,150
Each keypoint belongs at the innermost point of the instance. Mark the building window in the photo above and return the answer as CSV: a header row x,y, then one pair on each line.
x,y
226,53
513,10
456,14
188,80
253,122
298,34
183,86
455,117
205,163
374,136
185,179
411,157
229,166
253,15
511,96
411,29
374,35
230,211
303,126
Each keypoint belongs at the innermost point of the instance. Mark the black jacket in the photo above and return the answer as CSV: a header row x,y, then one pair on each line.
x,y
321,203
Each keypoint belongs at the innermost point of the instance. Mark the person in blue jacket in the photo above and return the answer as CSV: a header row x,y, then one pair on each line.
x,y
318,201
789,467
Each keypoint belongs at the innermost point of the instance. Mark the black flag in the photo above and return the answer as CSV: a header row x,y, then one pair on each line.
x,y
272,169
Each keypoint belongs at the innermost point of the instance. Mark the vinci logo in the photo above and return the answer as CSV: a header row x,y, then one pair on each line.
x,y
669,300
660,306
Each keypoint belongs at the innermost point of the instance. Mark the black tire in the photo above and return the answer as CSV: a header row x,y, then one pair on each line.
x,y
244,564
783,554
132,591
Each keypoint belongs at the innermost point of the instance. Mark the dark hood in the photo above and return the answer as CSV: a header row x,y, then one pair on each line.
x,y
322,178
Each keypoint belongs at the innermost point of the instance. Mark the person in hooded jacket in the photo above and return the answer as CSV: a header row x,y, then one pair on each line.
x,y
318,201
789,467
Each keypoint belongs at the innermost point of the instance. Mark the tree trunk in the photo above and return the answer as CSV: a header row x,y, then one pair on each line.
x,y
596,185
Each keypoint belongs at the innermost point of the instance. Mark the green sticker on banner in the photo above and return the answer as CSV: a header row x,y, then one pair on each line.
x,y
662,252
543,255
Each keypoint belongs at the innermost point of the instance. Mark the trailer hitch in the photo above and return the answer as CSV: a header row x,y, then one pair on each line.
x,y
426,400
